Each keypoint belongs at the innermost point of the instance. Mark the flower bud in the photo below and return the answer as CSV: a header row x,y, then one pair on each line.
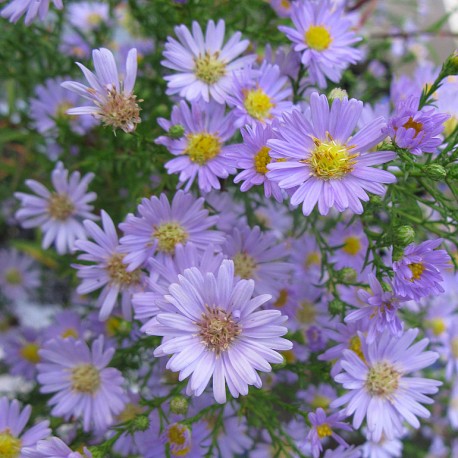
x,y
336,307
337,93
179,405
347,275
176,131
140,423
451,65
435,171
404,235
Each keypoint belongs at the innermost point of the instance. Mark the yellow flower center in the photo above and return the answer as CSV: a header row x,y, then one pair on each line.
x,y
355,345
306,313
352,245
318,37
437,326
450,125
10,446
112,325
282,298
202,147
330,160
313,258
285,4
257,104
289,356
60,207
61,110
209,68
324,430
382,379
117,271
70,332
129,413
13,276
417,269
218,329
30,353
169,235
178,437
320,401
411,124
94,19
244,265
262,159
85,378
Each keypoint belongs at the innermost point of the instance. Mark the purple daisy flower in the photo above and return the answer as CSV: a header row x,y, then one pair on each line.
x,y
281,7
200,151
13,440
50,105
58,213
74,45
109,271
417,131
114,103
252,156
55,448
259,256
212,329
323,35
259,95
84,386
161,226
380,310
324,163
286,58
66,323
31,8
318,396
378,386
322,427
205,66
19,275
88,16
419,272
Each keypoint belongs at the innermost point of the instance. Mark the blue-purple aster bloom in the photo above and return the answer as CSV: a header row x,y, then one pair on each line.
x,y
252,156
323,35
325,163
200,152
417,131
259,94
88,16
162,225
55,448
111,94
13,439
109,271
205,67
84,386
379,388
419,272
31,8
59,213
380,310
214,330
19,275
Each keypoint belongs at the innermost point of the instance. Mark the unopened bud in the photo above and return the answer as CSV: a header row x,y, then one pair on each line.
x,y
176,131
435,171
404,235
336,307
140,423
375,202
337,93
179,405
347,275
451,65
452,172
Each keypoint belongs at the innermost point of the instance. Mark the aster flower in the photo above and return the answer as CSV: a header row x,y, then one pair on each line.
x,y
205,67
379,388
31,8
322,427
281,7
380,310
318,396
114,103
323,35
286,58
54,448
417,131
18,274
161,226
84,386
200,151
419,272
88,16
259,95
50,105
324,163
14,441
385,448
258,256
109,271
213,330
252,156
58,213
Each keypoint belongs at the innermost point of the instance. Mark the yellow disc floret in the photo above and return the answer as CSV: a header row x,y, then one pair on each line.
x,y
209,68
10,446
323,430
318,37
202,147
169,235
262,159
30,353
352,245
417,269
257,104
85,378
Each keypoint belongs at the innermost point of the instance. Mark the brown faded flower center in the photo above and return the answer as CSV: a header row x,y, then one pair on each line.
x,y
355,345
117,271
130,411
169,235
218,329
411,124
209,68
318,37
179,438
10,446
202,147
85,378
244,265
382,379
282,298
417,269
306,312
60,207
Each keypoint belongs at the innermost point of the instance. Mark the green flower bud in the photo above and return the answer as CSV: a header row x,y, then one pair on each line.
x,y
347,275
176,131
398,253
179,405
435,171
337,93
375,202
451,65
140,423
96,453
452,172
404,235
335,307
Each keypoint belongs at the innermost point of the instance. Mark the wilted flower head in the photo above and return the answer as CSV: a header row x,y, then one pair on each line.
x,y
115,104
